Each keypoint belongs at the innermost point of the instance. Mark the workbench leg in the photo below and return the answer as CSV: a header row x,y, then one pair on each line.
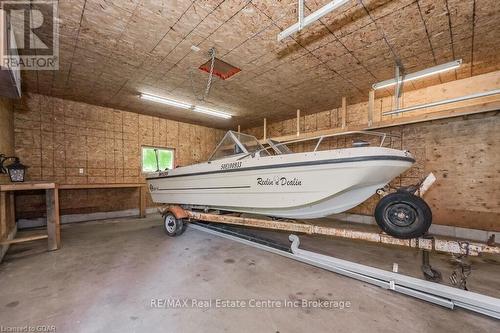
x,y
142,201
53,221
12,210
3,215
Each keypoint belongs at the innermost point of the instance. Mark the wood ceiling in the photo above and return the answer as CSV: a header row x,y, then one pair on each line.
x,y
110,51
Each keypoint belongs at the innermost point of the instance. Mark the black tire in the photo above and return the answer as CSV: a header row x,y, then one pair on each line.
x,y
173,226
403,215
181,228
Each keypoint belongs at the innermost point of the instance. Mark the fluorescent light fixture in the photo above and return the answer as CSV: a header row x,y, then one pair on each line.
x,y
167,101
420,74
183,105
212,112
305,21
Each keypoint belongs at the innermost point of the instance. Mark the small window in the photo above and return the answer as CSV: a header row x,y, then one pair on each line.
x,y
157,159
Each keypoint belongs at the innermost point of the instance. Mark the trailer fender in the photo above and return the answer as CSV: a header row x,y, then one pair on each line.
x,y
176,210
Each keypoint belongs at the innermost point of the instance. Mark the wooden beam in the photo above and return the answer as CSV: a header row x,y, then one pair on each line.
x,y
437,115
53,221
265,128
7,214
97,186
142,191
23,239
443,245
3,215
344,112
27,186
371,106
12,206
298,122
142,201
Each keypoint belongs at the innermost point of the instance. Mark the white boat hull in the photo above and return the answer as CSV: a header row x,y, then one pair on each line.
x,y
301,185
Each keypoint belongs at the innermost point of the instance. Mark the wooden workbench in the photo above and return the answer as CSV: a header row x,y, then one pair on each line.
x,y
141,187
53,235
7,212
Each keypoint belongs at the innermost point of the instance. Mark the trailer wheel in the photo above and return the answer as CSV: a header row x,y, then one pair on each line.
x,y
182,227
403,215
173,226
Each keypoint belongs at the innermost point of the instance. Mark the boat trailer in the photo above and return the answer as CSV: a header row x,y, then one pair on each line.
x,y
424,243
433,292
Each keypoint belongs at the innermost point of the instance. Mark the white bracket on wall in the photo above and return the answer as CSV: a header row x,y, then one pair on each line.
x,y
398,88
305,21
301,14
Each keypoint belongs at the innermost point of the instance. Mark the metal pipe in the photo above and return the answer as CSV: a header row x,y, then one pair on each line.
x,y
397,88
383,140
371,106
319,142
444,101
311,18
476,302
373,133
301,14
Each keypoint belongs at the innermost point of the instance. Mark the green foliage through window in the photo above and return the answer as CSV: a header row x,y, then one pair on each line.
x,y
165,159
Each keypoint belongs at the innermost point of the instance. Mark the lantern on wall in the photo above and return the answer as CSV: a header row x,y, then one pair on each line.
x,y
16,170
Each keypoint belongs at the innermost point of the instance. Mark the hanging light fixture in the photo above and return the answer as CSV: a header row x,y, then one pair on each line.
x,y
16,170
184,105
211,112
164,100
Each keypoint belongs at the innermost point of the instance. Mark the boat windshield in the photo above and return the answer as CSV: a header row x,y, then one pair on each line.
x,y
279,147
235,143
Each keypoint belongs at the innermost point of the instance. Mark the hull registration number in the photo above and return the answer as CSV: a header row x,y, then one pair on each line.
x,y
232,165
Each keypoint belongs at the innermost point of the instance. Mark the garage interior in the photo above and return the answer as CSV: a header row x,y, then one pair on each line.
x,y
144,89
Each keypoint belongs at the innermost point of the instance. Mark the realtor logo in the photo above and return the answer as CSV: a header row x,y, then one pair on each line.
x,y
29,35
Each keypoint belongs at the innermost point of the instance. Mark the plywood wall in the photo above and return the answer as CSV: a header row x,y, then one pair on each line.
x,y
463,153
57,138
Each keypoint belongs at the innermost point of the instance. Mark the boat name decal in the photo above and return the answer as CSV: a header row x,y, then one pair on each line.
x,y
232,165
152,188
279,181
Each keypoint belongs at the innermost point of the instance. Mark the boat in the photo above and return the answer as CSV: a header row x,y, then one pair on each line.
x,y
242,175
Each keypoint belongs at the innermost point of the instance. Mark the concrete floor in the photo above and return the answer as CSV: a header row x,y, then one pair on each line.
x,y
107,273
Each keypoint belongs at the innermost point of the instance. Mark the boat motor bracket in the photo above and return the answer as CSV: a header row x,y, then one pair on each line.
x,y
419,189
